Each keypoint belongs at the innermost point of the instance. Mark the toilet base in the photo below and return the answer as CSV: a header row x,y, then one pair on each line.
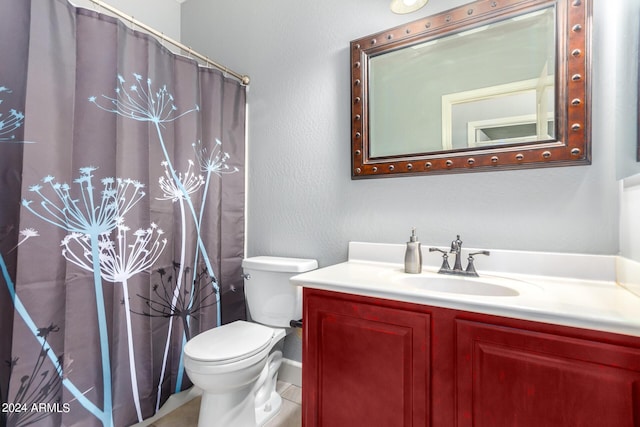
x,y
237,409
234,409
270,409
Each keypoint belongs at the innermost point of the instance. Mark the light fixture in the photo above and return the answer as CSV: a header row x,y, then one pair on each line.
x,y
407,6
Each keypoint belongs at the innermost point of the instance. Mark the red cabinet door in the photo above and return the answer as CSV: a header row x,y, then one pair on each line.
x,y
508,377
366,362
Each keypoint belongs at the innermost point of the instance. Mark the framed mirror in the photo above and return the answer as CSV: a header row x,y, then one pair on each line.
x,y
489,85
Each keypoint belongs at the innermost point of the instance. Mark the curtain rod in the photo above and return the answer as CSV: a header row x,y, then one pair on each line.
x,y
244,79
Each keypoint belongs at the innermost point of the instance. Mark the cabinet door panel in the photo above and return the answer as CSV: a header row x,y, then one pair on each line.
x,y
368,364
510,377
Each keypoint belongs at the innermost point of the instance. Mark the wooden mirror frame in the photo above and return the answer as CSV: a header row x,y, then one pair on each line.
x,y
572,93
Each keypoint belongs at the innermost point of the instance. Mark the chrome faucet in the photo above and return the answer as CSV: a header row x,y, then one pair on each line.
x,y
456,248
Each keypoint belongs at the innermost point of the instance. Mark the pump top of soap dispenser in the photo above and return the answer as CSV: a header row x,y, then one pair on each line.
x,y
413,237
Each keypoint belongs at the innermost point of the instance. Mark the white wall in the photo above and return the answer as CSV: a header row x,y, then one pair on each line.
x,y
301,200
630,218
624,17
161,15
628,267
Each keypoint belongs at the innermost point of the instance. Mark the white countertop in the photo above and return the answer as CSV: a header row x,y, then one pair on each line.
x,y
593,300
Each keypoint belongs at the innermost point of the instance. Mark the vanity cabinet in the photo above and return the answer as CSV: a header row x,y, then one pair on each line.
x,y
364,364
510,376
376,362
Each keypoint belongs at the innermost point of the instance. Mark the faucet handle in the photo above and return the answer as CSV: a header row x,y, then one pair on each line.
x,y
445,259
471,270
480,253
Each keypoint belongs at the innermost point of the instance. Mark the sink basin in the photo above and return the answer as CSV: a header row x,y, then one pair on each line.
x,y
460,285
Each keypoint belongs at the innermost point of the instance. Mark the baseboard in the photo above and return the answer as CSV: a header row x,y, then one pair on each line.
x,y
290,372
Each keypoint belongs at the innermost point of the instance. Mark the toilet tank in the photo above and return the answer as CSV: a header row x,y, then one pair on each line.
x,y
272,300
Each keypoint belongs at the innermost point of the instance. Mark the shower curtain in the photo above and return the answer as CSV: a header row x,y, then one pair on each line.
x,y
121,215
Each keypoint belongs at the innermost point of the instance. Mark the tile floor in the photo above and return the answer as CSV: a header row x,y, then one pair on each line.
x,y
290,413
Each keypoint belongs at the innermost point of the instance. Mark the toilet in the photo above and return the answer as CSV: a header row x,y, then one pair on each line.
x,y
236,365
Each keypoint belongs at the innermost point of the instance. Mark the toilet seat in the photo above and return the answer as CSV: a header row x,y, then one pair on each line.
x,y
229,343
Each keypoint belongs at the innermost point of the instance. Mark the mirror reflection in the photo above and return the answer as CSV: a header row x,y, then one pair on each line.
x,y
485,86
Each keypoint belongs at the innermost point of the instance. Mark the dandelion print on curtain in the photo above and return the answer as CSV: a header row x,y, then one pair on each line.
x,y
121,215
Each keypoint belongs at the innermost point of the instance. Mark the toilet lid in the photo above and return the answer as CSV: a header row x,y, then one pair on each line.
x,y
227,343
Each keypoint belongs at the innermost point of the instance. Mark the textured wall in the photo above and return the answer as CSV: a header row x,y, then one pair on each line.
x,y
301,200
161,15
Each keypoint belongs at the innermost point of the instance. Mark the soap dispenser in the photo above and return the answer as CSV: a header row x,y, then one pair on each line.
x,y
413,255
